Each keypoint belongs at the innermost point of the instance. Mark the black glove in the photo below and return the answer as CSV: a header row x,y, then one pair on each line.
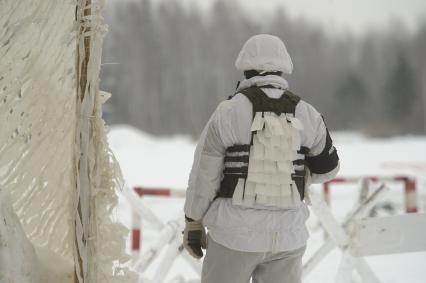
x,y
194,238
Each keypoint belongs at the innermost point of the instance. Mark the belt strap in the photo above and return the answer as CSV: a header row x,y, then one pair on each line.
x,y
238,148
243,158
236,170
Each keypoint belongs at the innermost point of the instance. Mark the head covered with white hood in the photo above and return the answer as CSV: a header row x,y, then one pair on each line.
x,y
264,53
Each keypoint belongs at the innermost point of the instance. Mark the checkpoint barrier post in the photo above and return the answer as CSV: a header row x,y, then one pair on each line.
x,y
360,236
136,234
168,238
410,188
159,192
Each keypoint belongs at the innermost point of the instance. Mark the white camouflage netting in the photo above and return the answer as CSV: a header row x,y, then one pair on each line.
x,y
55,162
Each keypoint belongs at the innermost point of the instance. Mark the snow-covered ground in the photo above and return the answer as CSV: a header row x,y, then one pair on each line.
x,y
165,162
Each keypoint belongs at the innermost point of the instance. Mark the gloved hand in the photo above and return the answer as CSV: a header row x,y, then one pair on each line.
x,y
194,237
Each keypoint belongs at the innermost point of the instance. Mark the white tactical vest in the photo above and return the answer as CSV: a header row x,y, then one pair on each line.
x,y
269,172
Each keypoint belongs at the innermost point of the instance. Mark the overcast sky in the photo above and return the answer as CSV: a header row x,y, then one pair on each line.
x,y
339,15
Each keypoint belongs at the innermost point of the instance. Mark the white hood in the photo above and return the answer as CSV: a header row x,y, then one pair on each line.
x,y
264,52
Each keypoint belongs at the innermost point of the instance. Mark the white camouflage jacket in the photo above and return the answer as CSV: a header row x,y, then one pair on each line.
x,y
248,229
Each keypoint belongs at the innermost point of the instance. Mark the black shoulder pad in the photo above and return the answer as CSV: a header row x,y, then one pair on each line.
x,y
326,161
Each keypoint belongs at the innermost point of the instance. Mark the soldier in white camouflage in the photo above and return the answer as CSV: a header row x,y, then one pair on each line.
x,y
252,169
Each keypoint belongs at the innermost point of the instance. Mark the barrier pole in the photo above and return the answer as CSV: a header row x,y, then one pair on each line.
x,y
410,188
411,196
136,235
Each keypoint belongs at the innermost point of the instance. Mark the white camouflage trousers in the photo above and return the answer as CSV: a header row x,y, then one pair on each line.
x,y
223,265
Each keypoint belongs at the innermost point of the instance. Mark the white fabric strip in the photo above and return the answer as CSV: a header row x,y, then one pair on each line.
x,y
275,144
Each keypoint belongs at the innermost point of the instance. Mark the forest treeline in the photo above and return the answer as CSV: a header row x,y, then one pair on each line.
x,y
169,67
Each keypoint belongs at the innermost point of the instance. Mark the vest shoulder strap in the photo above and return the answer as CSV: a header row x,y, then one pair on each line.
x,y
292,97
263,103
256,96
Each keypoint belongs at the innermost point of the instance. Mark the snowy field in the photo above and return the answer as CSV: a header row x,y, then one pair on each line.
x,y
153,162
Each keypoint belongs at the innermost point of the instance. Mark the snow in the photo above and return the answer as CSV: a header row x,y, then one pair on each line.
x,y
149,161
166,162
360,155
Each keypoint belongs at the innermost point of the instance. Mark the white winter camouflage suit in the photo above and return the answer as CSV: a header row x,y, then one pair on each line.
x,y
243,240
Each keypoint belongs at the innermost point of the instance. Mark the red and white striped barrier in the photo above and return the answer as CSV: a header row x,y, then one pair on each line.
x,y
410,190
136,233
160,192
359,235
136,219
